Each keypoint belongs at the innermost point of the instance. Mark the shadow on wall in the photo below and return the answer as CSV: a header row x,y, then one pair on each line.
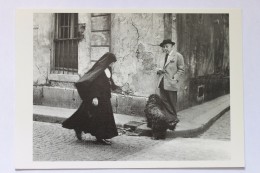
x,y
209,87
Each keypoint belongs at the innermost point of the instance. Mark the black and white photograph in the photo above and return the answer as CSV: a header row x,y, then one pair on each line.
x,y
133,86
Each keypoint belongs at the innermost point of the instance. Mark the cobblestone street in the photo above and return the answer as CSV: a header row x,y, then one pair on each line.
x,y
220,130
54,143
214,144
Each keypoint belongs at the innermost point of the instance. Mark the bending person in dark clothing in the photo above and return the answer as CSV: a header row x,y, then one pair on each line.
x,y
95,114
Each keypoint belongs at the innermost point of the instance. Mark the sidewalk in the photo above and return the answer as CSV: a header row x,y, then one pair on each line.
x,y
193,121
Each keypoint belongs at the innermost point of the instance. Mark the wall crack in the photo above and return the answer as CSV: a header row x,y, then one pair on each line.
x,y
137,31
45,76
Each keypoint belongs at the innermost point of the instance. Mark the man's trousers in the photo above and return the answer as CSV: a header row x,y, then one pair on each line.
x,y
169,99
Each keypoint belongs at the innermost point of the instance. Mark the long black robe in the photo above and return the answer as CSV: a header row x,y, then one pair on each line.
x,y
96,120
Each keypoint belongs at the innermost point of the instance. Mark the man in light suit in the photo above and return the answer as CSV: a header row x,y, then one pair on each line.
x,y
169,77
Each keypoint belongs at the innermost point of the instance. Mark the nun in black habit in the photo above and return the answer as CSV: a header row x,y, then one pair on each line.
x,y
95,114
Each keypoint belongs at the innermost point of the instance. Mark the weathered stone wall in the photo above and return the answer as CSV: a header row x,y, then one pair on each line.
x,y
84,44
42,46
135,40
203,40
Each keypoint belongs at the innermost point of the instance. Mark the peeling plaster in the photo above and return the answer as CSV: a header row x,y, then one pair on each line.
x,y
41,47
43,74
135,42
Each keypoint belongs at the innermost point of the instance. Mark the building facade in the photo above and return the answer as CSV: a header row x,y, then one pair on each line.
x,y
66,45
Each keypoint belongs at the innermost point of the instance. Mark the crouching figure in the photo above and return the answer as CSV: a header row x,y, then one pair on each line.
x,y
156,117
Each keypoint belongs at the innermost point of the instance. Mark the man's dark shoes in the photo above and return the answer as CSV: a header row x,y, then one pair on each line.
x,y
172,125
78,134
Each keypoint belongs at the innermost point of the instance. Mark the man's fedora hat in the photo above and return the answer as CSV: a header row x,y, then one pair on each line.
x,y
168,41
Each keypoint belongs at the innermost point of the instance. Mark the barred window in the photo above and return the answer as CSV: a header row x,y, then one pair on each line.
x,y
66,43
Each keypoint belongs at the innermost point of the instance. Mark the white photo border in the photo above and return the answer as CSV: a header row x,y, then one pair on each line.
x,y
24,99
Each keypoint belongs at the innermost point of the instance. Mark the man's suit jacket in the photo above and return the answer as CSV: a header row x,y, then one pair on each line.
x,y
174,69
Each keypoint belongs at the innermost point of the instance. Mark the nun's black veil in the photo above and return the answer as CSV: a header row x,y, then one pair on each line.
x,y
96,120
84,83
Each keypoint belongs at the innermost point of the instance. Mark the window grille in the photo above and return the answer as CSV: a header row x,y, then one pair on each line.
x,y
66,43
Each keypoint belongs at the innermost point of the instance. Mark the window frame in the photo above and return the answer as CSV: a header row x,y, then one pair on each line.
x,y
62,69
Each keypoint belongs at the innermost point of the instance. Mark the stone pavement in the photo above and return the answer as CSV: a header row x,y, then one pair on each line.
x,y
214,144
193,121
188,149
220,130
51,142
